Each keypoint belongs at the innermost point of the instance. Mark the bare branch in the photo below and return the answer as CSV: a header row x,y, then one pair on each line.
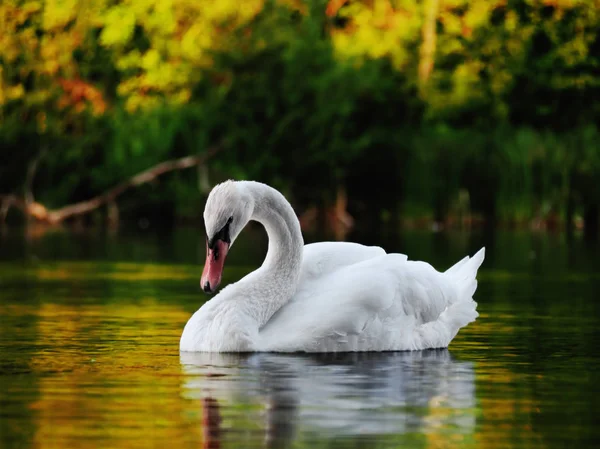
x,y
41,213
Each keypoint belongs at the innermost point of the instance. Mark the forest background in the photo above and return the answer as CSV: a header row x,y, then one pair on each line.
x,y
445,112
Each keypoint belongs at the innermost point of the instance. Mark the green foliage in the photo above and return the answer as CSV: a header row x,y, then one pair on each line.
x,y
308,95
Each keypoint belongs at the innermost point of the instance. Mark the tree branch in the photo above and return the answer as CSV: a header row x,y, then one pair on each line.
x,y
41,213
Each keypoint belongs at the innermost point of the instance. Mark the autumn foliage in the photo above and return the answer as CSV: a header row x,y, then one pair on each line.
x,y
483,105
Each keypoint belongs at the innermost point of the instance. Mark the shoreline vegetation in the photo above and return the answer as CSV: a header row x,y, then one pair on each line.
x,y
415,114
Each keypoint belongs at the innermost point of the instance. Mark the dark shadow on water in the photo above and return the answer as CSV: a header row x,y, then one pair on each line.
x,y
334,395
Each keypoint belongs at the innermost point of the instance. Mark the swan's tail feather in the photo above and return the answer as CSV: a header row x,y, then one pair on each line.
x,y
459,313
464,275
439,333
461,310
458,265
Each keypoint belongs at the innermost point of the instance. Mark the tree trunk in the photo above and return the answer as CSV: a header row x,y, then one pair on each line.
x,y
340,220
429,36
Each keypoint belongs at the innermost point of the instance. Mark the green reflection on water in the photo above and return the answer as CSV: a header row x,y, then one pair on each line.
x,y
89,357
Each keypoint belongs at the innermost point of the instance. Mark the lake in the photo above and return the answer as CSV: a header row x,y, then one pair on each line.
x,y
90,327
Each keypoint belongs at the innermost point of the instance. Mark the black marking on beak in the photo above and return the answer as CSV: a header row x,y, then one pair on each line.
x,y
207,287
222,235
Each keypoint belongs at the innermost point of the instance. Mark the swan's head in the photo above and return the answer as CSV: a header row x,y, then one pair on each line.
x,y
228,209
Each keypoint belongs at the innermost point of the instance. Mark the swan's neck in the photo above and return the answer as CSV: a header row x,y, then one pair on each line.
x,y
276,281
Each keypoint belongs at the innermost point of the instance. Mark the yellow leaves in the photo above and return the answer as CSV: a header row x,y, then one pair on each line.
x,y
158,76
466,78
49,52
10,93
573,52
136,101
15,92
56,54
129,61
462,18
225,10
183,96
176,41
511,21
119,24
181,35
58,13
466,86
150,60
10,48
39,40
163,18
13,37
478,14
15,13
377,31
195,42
452,24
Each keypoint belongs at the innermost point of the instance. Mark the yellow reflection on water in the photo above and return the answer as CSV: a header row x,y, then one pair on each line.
x,y
109,376
115,271
119,271
105,371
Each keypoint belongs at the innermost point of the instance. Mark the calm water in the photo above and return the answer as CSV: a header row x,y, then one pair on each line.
x,y
90,326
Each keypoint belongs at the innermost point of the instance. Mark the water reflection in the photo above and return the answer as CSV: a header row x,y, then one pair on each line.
x,y
334,395
89,355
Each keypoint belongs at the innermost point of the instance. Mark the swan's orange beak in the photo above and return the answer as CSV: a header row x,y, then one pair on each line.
x,y
213,268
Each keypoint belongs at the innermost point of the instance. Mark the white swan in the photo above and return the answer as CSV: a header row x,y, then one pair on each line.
x,y
322,297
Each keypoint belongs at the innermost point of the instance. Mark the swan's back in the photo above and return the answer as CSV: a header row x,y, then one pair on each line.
x,y
323,258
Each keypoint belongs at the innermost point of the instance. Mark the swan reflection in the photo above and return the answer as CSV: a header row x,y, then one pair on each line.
x,y
334,394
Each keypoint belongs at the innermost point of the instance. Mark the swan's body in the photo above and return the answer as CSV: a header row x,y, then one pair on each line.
x,y
322,297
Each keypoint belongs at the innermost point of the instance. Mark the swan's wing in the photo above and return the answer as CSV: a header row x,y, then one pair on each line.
x,y
321,259
366,301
